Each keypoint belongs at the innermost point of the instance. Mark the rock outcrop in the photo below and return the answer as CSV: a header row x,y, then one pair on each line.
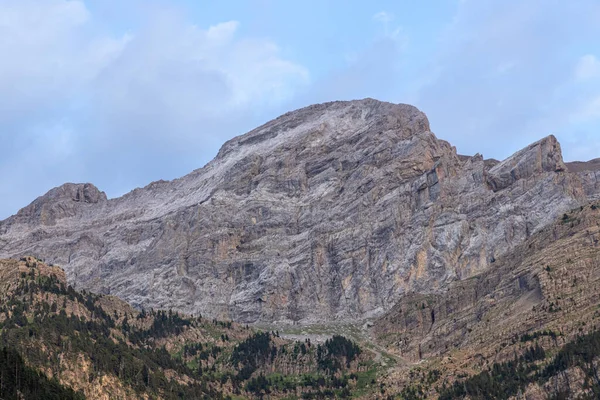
x,y
550,281
543,294
331,212
542,156
589,172
61,202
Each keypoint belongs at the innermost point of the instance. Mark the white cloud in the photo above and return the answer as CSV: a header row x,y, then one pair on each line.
x,y
55,53
222,33
121,110
587,68
172,77
47,55
396,32
384,17
503,77
180,58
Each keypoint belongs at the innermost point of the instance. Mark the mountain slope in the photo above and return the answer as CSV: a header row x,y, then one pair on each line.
x,y
21,381
545,293
328,213
60,343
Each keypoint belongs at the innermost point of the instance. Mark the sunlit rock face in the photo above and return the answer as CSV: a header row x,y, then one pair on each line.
x,y
328,213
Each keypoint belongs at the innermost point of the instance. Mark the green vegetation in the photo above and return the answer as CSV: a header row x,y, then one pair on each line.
x,y
334,356
39,328
312,386
164,324
528,337
17,381
507,379
251,353
580,353
140,367
501,382
338,347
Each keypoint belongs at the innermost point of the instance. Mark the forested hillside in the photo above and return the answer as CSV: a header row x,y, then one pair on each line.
x,y
58,343
529,328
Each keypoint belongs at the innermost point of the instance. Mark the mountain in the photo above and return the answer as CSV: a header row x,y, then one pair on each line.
x,y
528,328
454,276
59,343
329,213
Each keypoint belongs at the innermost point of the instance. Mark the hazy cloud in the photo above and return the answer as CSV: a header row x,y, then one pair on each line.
x,y
79,103
155,98
48,54
504,73
384,17
392,31
589,111
588,68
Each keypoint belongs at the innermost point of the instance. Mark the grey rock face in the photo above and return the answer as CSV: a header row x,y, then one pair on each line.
x,y
61,202
589,172
330,212
542,156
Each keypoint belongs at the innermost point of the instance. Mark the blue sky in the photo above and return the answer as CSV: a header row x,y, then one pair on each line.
x,y
121,93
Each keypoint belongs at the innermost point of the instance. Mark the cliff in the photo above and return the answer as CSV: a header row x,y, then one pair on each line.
x,y
328,213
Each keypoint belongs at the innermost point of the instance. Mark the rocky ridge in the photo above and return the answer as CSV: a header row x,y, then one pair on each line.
x,y
331,212
545,293
551,281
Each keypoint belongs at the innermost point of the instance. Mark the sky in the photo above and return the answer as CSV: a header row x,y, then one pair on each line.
x,y
122,93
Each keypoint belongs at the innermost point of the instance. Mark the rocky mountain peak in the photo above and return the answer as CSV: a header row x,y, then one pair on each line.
x,y
77,192
335,117
544,155
330,212
60,202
